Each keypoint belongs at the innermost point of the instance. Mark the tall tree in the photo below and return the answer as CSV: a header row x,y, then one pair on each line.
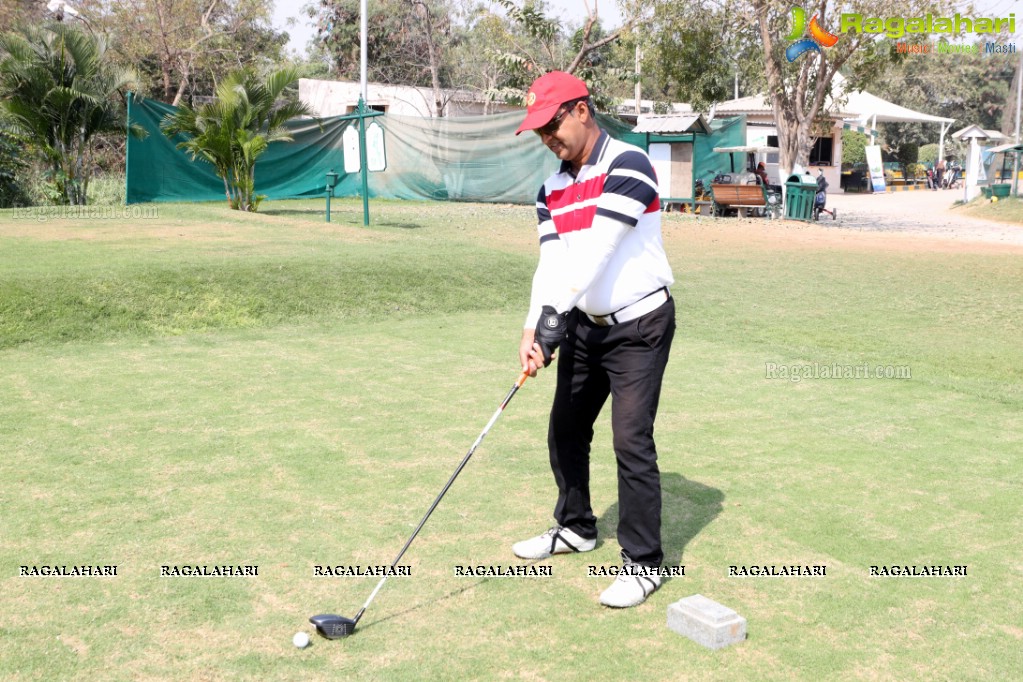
x,y
407,42
686,62
247,115
799,90
540,44
59,87
434,23
473,67
460,43
751,38
20,12
185,45
971,87
1012,110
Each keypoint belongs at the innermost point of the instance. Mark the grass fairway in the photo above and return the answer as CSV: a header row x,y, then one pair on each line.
x,y
207,388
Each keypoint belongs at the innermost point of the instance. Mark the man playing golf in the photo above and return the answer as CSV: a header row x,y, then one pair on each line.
x,y
600,292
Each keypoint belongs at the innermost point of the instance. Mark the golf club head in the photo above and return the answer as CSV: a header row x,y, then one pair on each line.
x,y
332,626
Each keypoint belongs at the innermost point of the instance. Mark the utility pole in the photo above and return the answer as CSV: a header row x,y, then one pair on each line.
x,y
636,94
363,96
1019,101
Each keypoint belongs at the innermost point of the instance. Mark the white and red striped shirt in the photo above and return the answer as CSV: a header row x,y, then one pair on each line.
x,y
600,234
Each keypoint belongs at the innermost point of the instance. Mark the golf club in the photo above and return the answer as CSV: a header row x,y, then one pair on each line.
x,y
333,626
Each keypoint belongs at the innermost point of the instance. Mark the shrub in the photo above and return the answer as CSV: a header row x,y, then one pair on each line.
x,y
107,189
928,154
853,144
13,191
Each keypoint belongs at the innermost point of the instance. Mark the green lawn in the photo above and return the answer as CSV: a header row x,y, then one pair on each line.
x,y
205,387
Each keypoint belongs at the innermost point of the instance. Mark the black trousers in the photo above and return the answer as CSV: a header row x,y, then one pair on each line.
x,y
627,362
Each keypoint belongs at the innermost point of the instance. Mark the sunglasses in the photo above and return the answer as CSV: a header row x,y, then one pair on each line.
x,y
555,123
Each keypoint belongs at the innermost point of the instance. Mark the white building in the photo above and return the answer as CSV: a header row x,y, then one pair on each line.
x,y
860,111
337,98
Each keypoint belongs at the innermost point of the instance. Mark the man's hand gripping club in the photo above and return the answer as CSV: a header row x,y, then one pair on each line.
x,y
538,346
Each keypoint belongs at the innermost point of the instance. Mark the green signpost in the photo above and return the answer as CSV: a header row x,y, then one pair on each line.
x,y
362,164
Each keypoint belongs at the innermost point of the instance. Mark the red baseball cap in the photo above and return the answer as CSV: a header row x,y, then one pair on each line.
x,y
547,94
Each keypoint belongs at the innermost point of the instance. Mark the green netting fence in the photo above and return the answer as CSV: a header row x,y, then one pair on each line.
x,y
456,159
725,132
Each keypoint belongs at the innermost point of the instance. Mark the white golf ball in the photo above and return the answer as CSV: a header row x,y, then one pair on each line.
x,y
301,640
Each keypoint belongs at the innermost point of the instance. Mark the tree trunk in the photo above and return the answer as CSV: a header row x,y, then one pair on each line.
x,y
433,52
80,174
185,76
438,98
166,56
227,191
251,186
785,117
796,101
168,88
1009,123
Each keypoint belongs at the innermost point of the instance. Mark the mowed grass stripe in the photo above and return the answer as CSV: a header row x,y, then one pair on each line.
x,y
158,299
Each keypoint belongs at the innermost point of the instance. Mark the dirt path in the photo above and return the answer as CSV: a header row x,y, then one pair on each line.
x,y
927,213
908,222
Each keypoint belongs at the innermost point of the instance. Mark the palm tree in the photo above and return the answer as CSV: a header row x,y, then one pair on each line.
x,y
58,88
230,133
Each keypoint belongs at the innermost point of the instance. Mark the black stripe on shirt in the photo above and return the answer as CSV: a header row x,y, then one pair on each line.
x,y
633,188
543,214
620,217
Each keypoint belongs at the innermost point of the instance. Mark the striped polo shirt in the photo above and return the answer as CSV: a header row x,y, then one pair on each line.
x,y
618,184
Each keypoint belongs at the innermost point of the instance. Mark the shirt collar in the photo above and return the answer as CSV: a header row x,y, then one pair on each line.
x,y
598,151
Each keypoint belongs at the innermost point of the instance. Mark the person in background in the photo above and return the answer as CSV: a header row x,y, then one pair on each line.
x,y
761,173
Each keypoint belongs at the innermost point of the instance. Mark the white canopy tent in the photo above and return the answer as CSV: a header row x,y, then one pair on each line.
x,y
871,110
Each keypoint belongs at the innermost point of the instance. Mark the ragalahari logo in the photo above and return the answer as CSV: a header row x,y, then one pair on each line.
x,y
818,36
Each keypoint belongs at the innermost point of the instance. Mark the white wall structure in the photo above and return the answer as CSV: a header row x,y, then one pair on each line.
x,y
760,127
336,98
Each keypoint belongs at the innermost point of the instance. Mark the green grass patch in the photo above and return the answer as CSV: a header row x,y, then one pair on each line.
x,y
231,274
207,388
1008,210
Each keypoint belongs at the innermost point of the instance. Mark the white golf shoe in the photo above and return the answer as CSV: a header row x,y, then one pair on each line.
x,y
556,540
632,586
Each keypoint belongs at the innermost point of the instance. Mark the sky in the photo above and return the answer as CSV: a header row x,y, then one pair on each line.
x,y
304,29
572,10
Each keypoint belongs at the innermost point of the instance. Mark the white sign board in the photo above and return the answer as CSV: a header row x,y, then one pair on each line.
x,y
873,153
756,138
375,148
350,147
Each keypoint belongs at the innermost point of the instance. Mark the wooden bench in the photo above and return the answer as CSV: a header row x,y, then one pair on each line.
x,y
740,197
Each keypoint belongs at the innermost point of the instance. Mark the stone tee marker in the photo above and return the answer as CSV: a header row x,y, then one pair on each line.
x,y
706,622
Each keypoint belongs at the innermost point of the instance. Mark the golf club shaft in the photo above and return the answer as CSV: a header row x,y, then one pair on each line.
x,y
461,465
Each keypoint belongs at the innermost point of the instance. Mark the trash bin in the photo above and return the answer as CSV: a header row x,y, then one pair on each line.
x,y
1001,190
799,193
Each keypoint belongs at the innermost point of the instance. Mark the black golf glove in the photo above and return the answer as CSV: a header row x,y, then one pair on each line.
x,y
550,332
